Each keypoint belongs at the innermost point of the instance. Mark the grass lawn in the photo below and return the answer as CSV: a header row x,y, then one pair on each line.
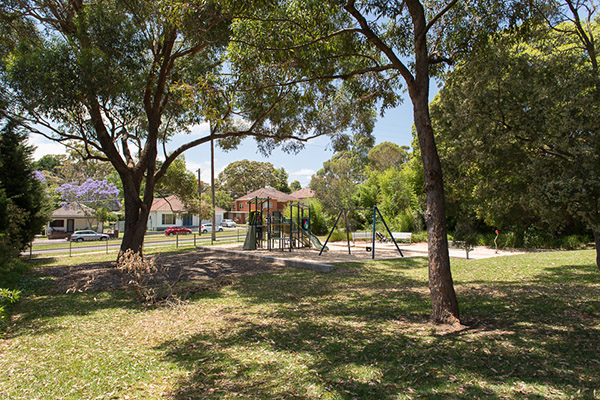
x,y
359,333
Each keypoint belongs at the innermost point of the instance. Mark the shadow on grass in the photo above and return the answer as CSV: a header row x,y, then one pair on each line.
x,y
362,333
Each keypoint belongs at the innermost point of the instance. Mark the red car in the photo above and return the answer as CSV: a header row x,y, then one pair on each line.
x,y
177,230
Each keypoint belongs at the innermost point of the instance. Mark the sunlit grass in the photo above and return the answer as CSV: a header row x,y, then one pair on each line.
x,y
361,332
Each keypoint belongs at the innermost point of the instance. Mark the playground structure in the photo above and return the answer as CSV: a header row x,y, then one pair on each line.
x,y
374,234
269,229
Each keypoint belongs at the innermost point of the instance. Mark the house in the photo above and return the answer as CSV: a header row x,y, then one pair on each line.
x,y
304,195
69,219
170,211
276,203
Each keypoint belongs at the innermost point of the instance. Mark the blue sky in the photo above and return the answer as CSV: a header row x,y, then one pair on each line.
x,y
394,127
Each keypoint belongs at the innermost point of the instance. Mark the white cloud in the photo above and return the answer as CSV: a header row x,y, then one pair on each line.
x,y
303,176
303,172
45,146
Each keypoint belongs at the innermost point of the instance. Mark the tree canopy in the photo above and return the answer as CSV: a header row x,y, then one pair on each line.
x,y
242,177
518,133
121,78
24,205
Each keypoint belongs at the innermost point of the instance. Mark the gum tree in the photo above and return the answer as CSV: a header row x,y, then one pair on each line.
x,y
381,48
121,77
518,128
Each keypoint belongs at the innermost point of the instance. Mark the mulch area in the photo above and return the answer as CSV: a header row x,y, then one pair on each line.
x,y
200,266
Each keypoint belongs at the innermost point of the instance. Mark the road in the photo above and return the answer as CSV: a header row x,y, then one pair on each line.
x,y
116,244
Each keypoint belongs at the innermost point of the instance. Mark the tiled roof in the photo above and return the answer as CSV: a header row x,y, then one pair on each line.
x,y
304,193
270,193
71,212
172,203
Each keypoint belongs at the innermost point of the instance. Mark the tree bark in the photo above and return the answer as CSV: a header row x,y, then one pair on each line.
x,y
136,213
597,245
441,286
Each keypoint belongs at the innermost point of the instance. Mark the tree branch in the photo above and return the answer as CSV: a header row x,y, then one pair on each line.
x,y
439,15
373,38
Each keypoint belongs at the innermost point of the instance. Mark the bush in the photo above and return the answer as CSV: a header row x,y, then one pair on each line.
x,y
338,235
403,222
419,237
7,297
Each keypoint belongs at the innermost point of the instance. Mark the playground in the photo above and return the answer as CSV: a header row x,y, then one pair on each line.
x,y
338,252
287,236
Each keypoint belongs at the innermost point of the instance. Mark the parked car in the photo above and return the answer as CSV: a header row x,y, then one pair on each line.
x,y
209,228
80,236
177,230
228,223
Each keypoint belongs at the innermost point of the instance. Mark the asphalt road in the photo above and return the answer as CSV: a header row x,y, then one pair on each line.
x,y
116,244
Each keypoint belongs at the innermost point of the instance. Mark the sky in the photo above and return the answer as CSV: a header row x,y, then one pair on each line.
x,y
394,127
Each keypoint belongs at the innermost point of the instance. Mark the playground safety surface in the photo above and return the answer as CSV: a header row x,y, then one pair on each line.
x,y
338,252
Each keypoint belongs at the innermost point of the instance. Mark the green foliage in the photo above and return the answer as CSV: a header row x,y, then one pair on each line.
x,y
295,186
24,204
223,199
242,177
180,182
518,137
7,297
388,155
318,220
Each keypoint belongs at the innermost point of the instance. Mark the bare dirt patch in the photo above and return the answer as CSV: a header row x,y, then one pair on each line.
x,y
200,266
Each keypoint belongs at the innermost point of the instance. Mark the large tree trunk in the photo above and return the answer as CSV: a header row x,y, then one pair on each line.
x,y
136,215
443,296
597,243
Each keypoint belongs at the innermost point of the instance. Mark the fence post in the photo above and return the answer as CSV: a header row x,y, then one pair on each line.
x,y
30,250
176,240
70,247
106,246
194,240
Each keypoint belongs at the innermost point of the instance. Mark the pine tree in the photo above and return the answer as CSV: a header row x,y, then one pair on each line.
x,y
23,200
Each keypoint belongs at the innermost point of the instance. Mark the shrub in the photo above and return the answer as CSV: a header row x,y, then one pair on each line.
x,y
419,236
338,235
7,297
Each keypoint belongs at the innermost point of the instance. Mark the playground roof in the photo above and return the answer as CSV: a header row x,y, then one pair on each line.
x,y
270,193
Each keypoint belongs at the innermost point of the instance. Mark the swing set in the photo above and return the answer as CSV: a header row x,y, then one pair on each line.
x,y
375,234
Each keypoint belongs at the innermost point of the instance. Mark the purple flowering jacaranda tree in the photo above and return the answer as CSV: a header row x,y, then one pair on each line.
x,y
93,197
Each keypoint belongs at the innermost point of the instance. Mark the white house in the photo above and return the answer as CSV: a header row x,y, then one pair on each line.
x,y
170,211
67,220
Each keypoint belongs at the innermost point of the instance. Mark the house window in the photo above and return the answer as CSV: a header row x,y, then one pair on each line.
x,y
188,220
233,207
168,219
57,223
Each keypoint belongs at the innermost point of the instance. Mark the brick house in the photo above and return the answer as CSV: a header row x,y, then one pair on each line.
x,y
242,206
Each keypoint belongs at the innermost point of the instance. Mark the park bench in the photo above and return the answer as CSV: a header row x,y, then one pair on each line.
x,y
402,236
362,235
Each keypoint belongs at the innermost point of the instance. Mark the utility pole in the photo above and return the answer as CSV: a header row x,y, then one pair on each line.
x,y
200,207
212,184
